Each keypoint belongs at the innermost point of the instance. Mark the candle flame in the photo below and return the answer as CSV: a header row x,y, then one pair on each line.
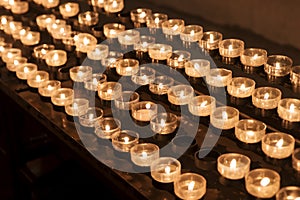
x,y
160,85
91,116
88,17
144,154
211,38
86,41
26,70
192,33
50,87
167,169
148,106
266,96
109,91
68,8
181,94
255,56
243,87
156,20
38,77
29,36
277,65
265,181
55,57
16,62
279,143
126,139
175,27
114,4
230,47
162,123
233,164
143,14
250,133
181,58
95,81
224,115
75,106
191,185
107,127
292,107
63,96
203,104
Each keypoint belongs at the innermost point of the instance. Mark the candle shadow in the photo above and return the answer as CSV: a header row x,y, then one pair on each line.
x,y
163,186
58,108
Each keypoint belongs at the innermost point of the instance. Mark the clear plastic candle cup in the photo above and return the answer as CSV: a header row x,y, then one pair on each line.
x,y
231,48
109,90
41,50
25,70
161,84
144,154
100,52
48,87
106,127
202,105
91,116
224,117
127,66
278,65
164,123
254,57
15,62
112,30
197,68
165,169
241,87
289,109
288,192
124,140
56,58
78,107
266,97
219,77
88,18
92,82
179,58
144,76
69,9
250,130
36,79
160,51
210,40
180,94
143,110
81,73
62,96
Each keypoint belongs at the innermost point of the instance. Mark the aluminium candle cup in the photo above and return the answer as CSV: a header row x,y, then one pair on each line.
x,y
55,58
289,109
219,77
80,73
144,154
91,116
266,97
296,159
197,68
126,100
111,60
109,90
48,87
143,110
210,40
113,6
30,38
231,48
128,37
164,123
165,169
250,130
288,192
179,58
15,62
278,65
91,83
23,71
106,127
100,52
253,57
124,140
127,66
45,19
50,3
202,105
88,18
36,79
224,117
155,20
20,7
262,182
144,76
62,96
41,50
112,30
241,87
173,27
180,94
9,53
161,84
191,33
69,9
78,107
160,51
278,145
190,186
85,42
295,76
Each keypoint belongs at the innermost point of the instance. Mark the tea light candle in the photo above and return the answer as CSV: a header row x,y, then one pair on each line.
x,y
180,94
111,60
140,15
80,73
144,154
266,97
85,42
59,31
37,78
250,130
191,33
190,186
113,6
173,27
91,116
100,52
25,70
128,37
156,19
278,65
197,68
124,140
16,33
15,62
278,145
112,30
78,107
219,77
296,159
160,51
241,87
91,83
179,58
53,27
161,84
107,126
50,3
30,38
48,87
3,46
12,26
44,20
126,100
69,9
210,40
233,166
62,96
55,58
20,7
88,18
69,38
40,51
127,66
295,75
143,110
109,90
224,117
254,57
164,123
289,109
288,192
231,48
144,76
165,169
143,44
9,53
202,105
262,182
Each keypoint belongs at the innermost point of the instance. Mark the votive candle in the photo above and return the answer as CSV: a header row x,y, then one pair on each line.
x,y
165,169
241,87
266,97
250,130
124,140
289,109
180,94
144,154
224,117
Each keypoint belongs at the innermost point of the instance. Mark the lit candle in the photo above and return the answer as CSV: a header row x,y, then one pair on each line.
x,y
113,6
254,57
250,130
85,42
36,79
155,20
180,94
164,123
278,65
179,58
160,51
191,33
124,140
55,58
4,20
296,159
143,44
91,116
278,145
143,110
99,52
295,76
92,82
161,84
9,53
48,87
78,107
144,154
241,87
266,97
30,38
109,90
210,40
40,51
88,18
202,105
128,37
197,68
112,30
262,182
80,73
224,117
107,126
25,70
69,9
289,109
44,20
165,169
173,27
12,64
12,26
127,66
62,96
288,193
231,48
139,15
50,3
143,76
18,31
20,7
126,100
219,77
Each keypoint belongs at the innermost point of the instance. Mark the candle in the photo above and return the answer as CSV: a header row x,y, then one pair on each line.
x,y
278,65
143,110
289,109
172,27
91,116
126,100
231,48
50,3
210,40
40,51
160,51
59,31
23,71
18,31
197,68
44,20
161,84
4,20
262,182
278,145
48,87
80,73
202,105
128,37
219,77
53,27
9,53
69,9
111,60
180,94
3,46
12,26
288,193
254,57
165,169
139,15
191,33
143,76
144,154
241,87
296,159
69,38
20,7
91,83
12,64
143,44
155,20
113,6
107,126
55,58
224,117
36,79
99,52
250,130
164,123
98,3
179,58
78,107
112,30
62,96
109,90
85,42
30,38
266,97
88,18
127,66
124,140
295,76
